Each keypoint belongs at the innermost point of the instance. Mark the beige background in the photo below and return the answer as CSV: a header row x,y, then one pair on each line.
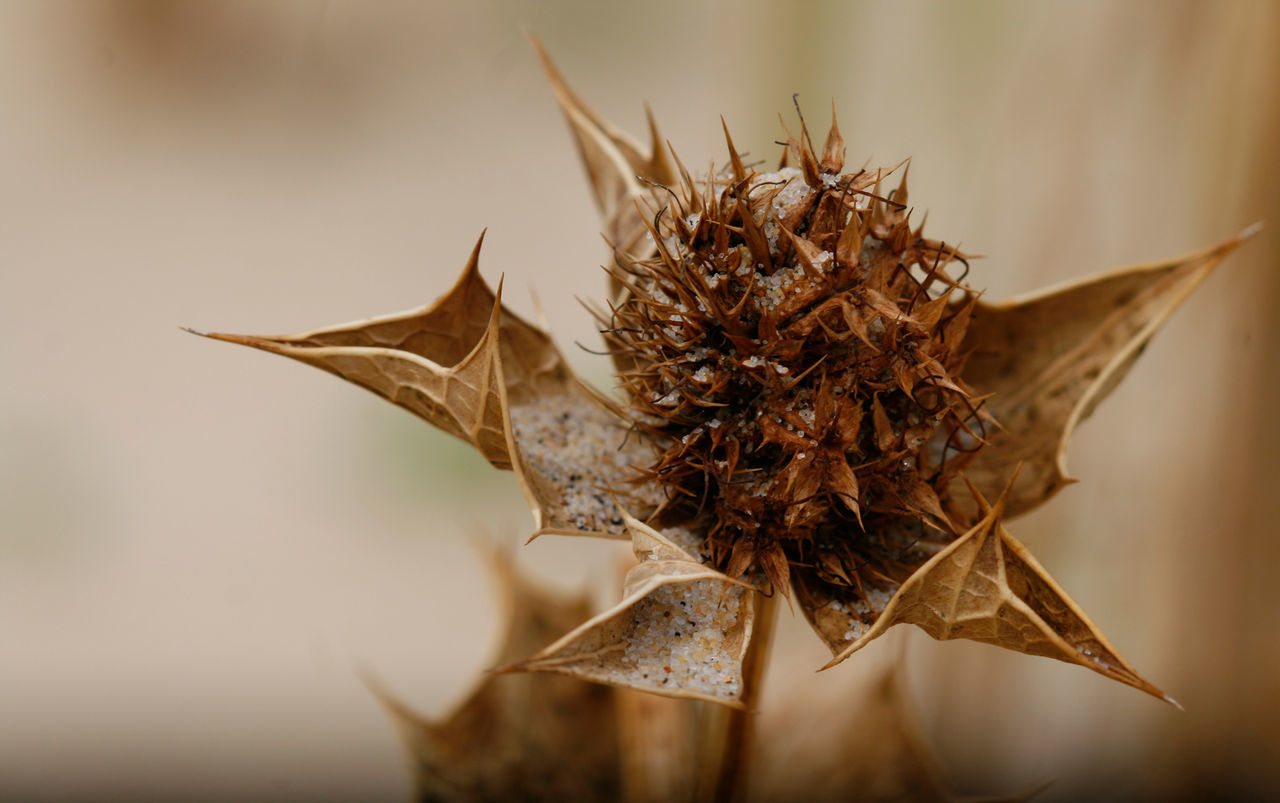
x,y
198,544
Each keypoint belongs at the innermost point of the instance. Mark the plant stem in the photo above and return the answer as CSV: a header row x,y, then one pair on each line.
x,y
740,725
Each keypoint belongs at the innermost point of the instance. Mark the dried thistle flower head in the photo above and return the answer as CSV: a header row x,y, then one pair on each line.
x,y
823,405
795,348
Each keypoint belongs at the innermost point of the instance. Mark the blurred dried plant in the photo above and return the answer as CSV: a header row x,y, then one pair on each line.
x,y
817,403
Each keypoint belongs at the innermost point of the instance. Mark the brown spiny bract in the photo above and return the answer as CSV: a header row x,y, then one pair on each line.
x,y
795,346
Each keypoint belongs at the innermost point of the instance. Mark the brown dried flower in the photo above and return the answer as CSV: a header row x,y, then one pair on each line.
x,y
818,403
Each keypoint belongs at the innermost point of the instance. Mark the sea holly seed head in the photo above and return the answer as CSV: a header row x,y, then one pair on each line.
x,y
821,400
793,345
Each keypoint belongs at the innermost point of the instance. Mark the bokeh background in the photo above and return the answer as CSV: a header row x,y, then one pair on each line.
x,y
200,545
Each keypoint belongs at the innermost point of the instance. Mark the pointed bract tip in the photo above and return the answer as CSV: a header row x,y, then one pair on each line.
x,y
659,166
983,505
1246,234
472,268
241,340
558,84
505,669
374,684
829,664
536,43
833,148
1172,702
739,170
194,331
1008,489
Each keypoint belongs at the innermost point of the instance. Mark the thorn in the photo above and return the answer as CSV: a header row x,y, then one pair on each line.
x,y
900,196
690,188
1249,233
833,149
472,269
739,171
1004,495
541,52
506,669
265,343
659,165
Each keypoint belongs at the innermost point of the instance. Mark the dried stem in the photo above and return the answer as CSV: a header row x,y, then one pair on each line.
x,y
659,741
739,733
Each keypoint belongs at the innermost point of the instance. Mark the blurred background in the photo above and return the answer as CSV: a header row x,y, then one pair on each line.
x,y
200,544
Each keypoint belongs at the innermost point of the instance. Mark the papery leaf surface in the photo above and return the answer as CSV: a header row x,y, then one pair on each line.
x,y
577,459
1049,358
987,587
681,629
840,614
478,371
613,161
842,605
440,362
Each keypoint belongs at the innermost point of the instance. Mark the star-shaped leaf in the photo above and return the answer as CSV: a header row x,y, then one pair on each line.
x,y
478,371
528,737
987,587
1049,358
681,629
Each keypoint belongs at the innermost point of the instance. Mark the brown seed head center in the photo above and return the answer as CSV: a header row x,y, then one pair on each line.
x,y
793,346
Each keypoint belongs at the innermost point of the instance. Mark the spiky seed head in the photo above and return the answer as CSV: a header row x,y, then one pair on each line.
x,y
793,346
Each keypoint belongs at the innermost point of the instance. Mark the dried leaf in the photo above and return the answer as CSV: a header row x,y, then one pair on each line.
x,y
842,612
439,362
681,629
613,161
987,587
871,752
518,737
843,602
1049,358
577,458
478,371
